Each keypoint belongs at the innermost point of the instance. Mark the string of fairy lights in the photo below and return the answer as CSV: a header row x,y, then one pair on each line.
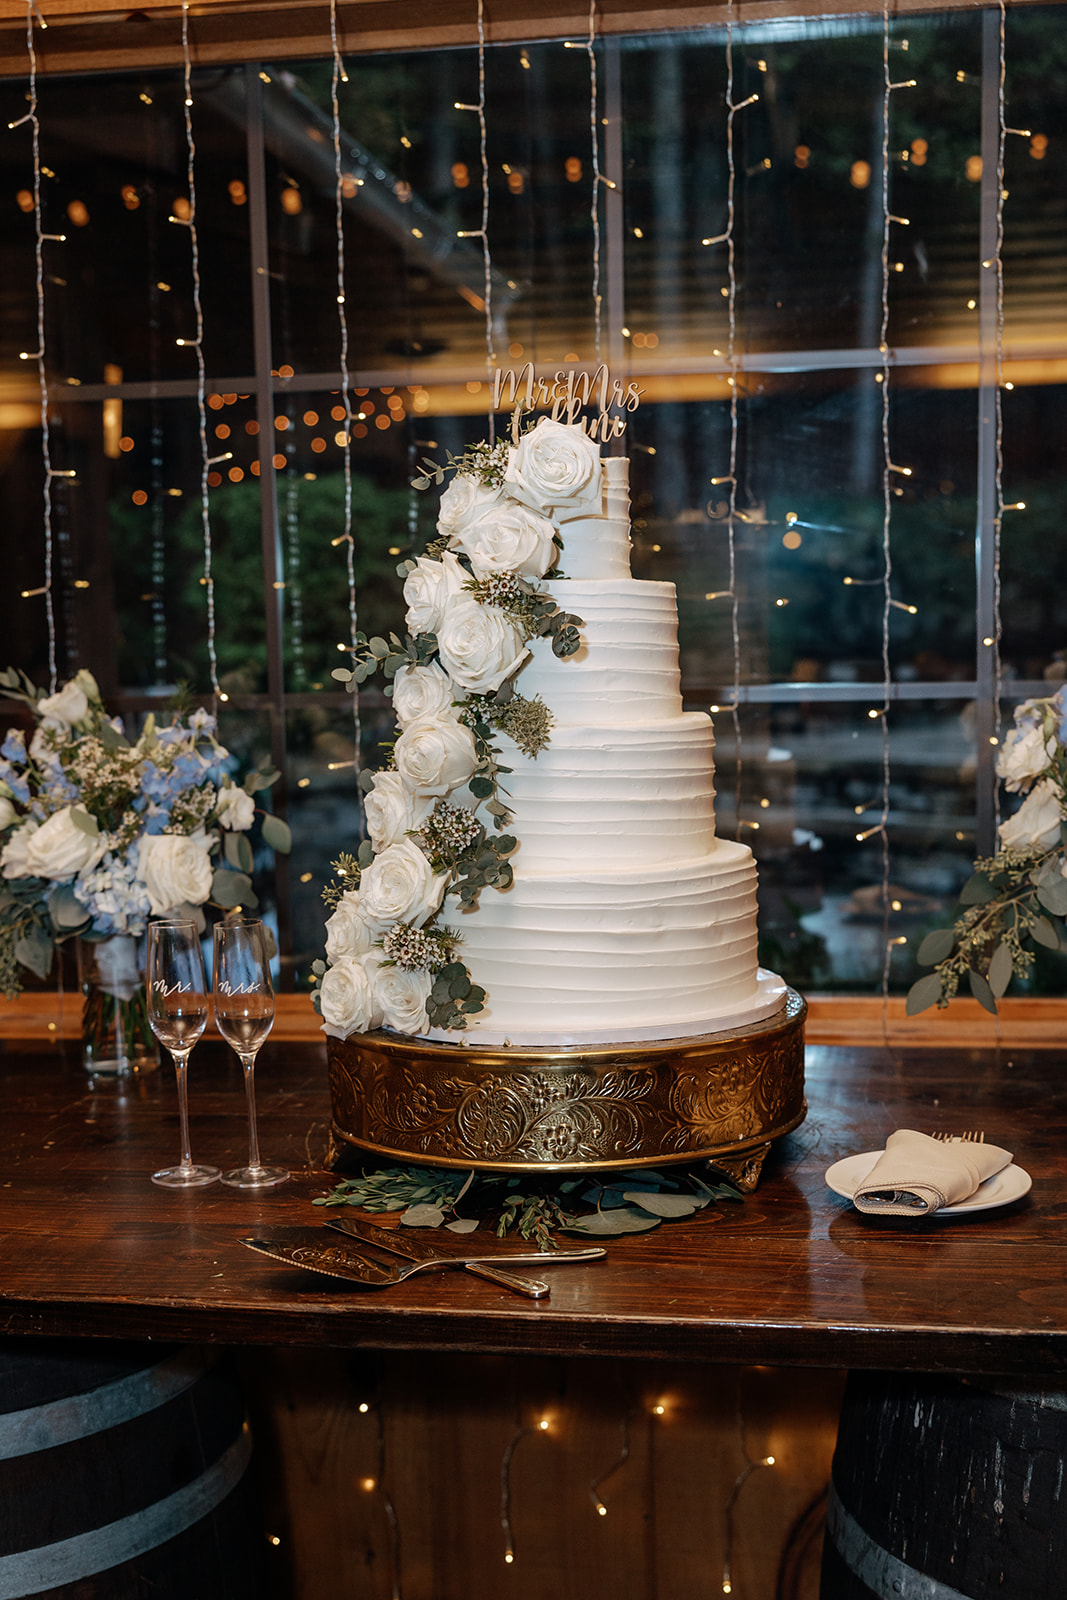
x,y
38,356
207,460
482,232
733,365
346,537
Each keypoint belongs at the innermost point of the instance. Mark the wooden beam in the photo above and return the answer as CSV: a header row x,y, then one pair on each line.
x,y
845,1020
83,37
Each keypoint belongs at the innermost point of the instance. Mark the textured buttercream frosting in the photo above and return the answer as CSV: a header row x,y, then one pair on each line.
x,y
627,918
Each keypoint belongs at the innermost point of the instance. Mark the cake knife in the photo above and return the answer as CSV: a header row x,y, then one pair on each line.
x,y
422,1251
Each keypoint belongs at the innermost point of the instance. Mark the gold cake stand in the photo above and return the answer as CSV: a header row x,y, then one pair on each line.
x,y
722,1097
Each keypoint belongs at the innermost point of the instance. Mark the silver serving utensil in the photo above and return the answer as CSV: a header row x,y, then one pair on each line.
x,y
341,1260
415,1249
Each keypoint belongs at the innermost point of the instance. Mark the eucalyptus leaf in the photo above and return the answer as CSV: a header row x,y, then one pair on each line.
x,y
229,889
604,1199
65,909
666,1205
423,1216
342,674
462,1225
255,781
937,946
977,891
982,992
1044,932
1000,969
277,834
923,995
1052,894
111,738
482,788
365,854
84,822
628,1219
34,950
238,851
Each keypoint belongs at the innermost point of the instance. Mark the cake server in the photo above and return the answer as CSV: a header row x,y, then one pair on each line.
x,y
425,1254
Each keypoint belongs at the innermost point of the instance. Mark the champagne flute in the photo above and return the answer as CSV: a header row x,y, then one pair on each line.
x,y
177,1015
244,1015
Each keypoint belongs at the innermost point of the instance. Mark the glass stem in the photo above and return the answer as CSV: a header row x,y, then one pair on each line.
x,y
248,1062
181,1061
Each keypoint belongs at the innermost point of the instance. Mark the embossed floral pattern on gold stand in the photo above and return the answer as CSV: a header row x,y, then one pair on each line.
x,y
721,1096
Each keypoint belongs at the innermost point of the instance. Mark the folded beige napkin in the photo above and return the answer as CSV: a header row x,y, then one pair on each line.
x,y
916,1175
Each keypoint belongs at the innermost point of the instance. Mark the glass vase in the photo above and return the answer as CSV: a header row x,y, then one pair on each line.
x,y
117,1041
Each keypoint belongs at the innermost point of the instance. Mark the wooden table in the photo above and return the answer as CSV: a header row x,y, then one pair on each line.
x,y
794,1276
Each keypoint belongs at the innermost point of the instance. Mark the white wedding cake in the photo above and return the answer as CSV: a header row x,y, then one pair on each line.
x,y
627,918
621,917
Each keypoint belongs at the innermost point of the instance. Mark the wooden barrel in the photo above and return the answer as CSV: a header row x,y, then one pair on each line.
x,y
123,1475
946,1489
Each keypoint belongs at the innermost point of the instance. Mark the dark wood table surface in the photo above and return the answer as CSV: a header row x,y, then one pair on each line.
x,y
89,1247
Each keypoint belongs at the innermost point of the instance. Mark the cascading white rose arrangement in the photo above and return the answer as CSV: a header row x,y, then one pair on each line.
x,y
98,835
436,819
1018,898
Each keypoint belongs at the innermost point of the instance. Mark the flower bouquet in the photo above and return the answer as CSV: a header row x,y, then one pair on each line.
x,y
1018,898
436,816
98,835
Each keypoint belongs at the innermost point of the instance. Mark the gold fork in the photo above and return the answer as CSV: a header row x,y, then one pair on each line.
x,y
970,1136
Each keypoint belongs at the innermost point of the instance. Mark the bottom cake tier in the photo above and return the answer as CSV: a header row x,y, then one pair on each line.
x,y
721,1096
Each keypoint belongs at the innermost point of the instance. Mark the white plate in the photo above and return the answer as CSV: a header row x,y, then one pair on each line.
x,y
1009,1184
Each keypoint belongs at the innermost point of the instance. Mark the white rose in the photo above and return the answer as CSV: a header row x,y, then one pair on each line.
x,y
401,997
45,737
70,705
479,646
1023,757
421,692
400,886
59,848
434,756
13,860
1037,821
428,589
347,933
175,869
510,538
236,808
555,468
393,810
7,812
347,999
465,500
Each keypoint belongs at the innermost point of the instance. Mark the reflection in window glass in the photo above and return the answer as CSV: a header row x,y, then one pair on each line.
x,y
803,786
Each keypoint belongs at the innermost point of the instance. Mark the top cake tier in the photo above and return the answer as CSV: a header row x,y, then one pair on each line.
x,y
598,545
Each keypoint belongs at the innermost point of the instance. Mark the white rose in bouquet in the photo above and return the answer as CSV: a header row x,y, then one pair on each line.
x,y
510,538
421,692
465,500
556,469
347,999
175,869
393,809
347,933
1024,756
1037,821
7,812
435,755
71,703
428,589
400,886
59,848
236,808
13,860
402,997
479,646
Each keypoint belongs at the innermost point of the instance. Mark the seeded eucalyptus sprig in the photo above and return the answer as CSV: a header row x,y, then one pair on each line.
x,y
1014,900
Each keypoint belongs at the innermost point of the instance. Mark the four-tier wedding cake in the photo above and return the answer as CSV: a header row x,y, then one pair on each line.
x,y
549,707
